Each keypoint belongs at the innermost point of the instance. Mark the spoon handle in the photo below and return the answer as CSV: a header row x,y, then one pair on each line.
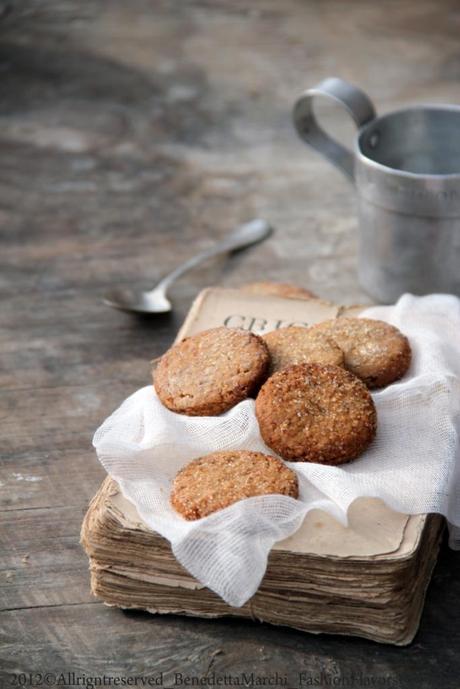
x,y
245,235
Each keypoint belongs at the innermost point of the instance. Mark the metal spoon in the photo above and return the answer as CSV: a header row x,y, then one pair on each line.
x,y
156,301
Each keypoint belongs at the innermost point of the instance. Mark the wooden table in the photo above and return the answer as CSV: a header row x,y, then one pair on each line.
x,y
132,134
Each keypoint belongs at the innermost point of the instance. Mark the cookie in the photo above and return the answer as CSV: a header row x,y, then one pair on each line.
x,y
208,373
278,289
316,413
375,351
220,479
296,345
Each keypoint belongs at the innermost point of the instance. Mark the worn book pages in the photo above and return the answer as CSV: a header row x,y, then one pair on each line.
x,y
379,597
382,559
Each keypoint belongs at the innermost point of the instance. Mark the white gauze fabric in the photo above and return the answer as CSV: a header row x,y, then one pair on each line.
x,y
413,464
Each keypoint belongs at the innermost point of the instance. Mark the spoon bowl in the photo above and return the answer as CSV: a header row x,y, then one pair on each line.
x,y
125,299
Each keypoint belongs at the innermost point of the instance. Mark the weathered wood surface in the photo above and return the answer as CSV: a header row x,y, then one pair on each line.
x,y
132,134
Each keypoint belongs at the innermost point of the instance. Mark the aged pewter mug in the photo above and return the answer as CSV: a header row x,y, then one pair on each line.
x,y
406,169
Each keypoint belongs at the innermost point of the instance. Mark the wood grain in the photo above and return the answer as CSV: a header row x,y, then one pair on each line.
x,y
132,134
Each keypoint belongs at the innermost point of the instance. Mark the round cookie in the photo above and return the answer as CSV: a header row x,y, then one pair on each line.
x,y
316,413
296,345
208,373
375,351
220,479
278,289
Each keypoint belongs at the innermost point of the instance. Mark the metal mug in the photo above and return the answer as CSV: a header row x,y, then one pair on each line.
x,y
406,169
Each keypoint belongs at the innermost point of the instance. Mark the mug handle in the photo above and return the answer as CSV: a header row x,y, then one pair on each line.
x,y
356,102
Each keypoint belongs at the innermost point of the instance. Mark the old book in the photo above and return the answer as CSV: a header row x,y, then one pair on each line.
x,y
324,578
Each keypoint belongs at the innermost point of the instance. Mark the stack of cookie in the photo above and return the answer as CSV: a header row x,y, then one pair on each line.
x,y
312,401
311,387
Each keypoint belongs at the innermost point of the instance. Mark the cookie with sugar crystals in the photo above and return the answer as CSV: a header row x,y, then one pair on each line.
x,y
375,351
316,413
297,345
208,373
278,289
210,483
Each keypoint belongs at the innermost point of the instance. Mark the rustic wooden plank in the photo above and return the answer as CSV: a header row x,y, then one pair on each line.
x,y
42,563
132,134
48,479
